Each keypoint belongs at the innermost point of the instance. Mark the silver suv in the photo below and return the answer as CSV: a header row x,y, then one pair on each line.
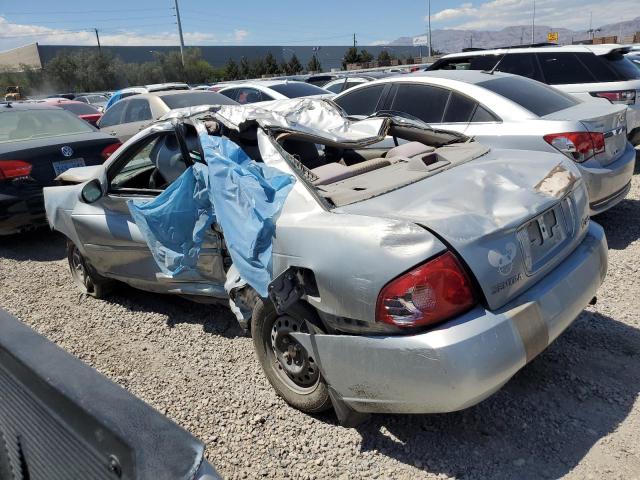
x,y
585,71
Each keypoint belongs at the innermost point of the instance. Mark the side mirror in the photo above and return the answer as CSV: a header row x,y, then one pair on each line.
x,y
92,191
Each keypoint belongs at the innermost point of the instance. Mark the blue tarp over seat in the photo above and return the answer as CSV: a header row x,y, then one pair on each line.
x,y
242,196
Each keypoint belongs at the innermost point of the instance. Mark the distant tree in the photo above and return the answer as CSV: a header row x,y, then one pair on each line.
x,y
384,58
63,70
197,69
314,65
270,64
258,68
350,56
365,56
231,71
294,66
245,68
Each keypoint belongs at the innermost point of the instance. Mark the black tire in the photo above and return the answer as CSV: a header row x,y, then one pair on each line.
x,y
310,396
6,471
84,276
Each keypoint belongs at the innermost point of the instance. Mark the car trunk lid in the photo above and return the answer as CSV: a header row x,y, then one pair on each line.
x,y
511,216
51,156
603,118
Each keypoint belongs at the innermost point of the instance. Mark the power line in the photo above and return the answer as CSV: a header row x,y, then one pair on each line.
x,y
67,32
74,12
118,19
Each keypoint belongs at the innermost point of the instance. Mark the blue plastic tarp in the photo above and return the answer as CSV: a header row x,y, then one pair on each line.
x,y
242,196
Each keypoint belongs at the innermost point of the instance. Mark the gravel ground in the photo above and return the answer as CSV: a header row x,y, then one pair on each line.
x,y
574,411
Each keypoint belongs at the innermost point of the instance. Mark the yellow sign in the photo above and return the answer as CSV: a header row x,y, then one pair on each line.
x,y
552,37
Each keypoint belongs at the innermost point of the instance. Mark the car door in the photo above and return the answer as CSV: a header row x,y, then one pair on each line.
x,y
247,95
363,101
137,116
112,118
113,243
439,107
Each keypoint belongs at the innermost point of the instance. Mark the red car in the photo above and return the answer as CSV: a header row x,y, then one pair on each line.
x,y
86,112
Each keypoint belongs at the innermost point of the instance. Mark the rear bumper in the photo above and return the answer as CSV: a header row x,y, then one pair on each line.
x,y
18,214
467,359
610,184
633,123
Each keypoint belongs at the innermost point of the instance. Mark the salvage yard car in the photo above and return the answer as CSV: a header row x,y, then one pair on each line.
x,y
37,143
510,111
266,90
414,279
130,115
584,71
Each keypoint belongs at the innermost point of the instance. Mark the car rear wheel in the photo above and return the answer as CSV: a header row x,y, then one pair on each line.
x,y
83,275
292,371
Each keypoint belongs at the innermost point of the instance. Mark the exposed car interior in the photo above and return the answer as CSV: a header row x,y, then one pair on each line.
x,y
339,173
344,175
157,163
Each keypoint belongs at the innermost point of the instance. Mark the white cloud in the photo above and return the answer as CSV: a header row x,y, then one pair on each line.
x,y
464,10
496,14
14,35
240,35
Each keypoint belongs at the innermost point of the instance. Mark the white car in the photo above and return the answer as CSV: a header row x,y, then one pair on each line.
x,y
266,90
513,112
584,71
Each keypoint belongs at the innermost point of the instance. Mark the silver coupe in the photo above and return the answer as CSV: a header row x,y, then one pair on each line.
x,y
412,279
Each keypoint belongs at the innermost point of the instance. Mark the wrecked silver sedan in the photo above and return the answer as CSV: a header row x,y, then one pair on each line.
x,y
414,279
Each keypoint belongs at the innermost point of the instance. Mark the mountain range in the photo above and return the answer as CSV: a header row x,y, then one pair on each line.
x,y
452,40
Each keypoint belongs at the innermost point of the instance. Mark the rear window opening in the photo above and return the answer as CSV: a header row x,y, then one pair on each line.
x,y
79,108
536,97
297,89
192,99
20,125
342,175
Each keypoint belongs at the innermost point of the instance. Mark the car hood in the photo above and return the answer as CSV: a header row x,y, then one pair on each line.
x,y
481,209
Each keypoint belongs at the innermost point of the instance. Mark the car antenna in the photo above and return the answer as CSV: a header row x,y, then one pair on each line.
x,y
493,69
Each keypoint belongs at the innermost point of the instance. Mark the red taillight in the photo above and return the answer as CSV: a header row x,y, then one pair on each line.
x,y
14,169
578,146
625,97
91,118
110,149
428,294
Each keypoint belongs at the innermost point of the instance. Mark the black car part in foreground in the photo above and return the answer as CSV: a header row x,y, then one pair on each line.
x,y
60,419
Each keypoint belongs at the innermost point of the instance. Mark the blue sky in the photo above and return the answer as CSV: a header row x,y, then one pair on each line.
x,y
286,22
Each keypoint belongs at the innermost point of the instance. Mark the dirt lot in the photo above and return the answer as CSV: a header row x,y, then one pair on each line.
x,y
572,412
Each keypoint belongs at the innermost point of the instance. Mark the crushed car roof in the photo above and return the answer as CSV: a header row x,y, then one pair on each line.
x,y
318,118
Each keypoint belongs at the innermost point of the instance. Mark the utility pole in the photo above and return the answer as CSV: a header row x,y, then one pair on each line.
x,y
429,22
354,41
180,32
98,39
533,24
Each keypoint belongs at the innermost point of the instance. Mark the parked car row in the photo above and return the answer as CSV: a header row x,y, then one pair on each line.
x,y
509,111
409,236
583,71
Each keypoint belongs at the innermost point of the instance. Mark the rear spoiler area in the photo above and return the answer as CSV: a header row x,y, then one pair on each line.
x,y
609,49
60,419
